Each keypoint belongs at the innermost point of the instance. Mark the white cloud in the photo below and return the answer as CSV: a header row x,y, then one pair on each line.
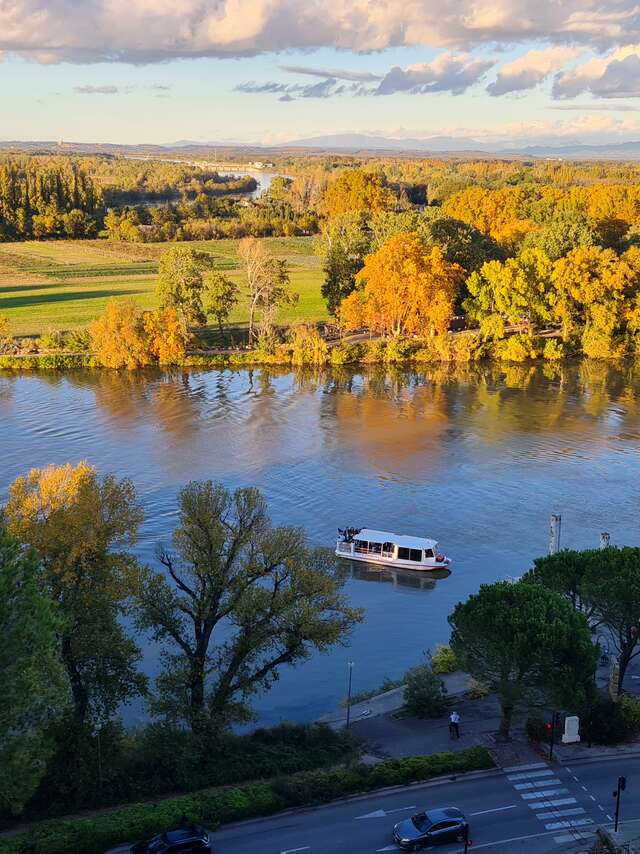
x,y
531,69
614,76
447,73
336,73
103,90
154,30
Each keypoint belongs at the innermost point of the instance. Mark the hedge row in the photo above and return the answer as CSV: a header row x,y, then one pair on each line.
x,y
217,806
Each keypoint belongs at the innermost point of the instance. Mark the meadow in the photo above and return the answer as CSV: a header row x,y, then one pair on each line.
x,y
64,284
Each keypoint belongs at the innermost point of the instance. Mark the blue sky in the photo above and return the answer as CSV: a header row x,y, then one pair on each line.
x,y
265,71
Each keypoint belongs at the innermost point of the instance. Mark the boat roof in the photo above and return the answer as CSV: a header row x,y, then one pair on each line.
x,y
398,539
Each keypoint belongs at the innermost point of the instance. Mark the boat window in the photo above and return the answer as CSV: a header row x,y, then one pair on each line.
x,y
416,554
404,554
428,552
362,544
387,547
376,548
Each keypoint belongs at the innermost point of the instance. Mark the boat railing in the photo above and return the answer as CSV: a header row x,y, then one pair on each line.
x,y
363,550
345,548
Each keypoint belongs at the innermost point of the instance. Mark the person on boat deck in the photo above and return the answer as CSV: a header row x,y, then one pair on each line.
x,y
454,725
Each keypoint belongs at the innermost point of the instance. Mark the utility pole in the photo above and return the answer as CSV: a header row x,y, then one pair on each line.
x,y
622,785
554,533
349,694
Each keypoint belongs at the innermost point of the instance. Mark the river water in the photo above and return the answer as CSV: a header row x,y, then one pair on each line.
x,y
477,459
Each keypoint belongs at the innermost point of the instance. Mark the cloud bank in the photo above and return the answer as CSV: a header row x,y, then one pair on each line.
x,y
140,31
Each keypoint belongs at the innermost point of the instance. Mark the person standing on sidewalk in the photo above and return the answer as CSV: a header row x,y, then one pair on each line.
x,y
454,725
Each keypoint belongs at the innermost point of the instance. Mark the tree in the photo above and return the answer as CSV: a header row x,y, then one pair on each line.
x,y
267,283
461,243
570,574
118,338
345,243
239,600
357,190
34,692
167,336
407,288
527,643
180,281
520,289
221,295
80,524
561,235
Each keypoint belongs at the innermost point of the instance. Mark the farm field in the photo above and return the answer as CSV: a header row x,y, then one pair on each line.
x,y
65,284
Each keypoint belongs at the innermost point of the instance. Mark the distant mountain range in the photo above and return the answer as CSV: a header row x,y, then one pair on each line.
x,y
347,143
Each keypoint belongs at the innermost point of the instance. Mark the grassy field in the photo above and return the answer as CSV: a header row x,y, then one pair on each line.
x,y
64,284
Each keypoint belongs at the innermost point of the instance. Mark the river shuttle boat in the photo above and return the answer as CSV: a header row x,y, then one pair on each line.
x,y
388,549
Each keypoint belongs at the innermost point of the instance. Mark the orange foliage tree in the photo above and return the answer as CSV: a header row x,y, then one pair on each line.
x,y
357,190
167,335
406,287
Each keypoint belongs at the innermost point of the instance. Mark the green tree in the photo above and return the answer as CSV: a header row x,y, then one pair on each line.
x,y
527,643
181,281
460,242
425,695
267,284
80,524
345,243
561,235
569,573
240,599
34,692
220,297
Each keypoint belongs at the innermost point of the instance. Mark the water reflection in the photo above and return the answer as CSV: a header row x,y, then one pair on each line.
x,y
398,578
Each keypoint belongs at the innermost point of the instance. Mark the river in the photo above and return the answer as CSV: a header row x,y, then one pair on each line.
x,y
477,459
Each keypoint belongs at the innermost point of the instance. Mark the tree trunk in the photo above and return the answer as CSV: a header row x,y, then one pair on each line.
x,y
78,688
504,731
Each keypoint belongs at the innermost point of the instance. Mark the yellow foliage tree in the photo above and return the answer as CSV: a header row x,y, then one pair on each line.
x,y
407,288
357,190
118,338
167,335
309,347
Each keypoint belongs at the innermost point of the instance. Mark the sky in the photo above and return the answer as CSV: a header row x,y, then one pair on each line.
x,y
500,72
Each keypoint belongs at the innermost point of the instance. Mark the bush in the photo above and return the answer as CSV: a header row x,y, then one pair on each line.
x,y
630,713
603,721
425,695
217,806
553,350
516,348
53,339
444,660
477,690
346,354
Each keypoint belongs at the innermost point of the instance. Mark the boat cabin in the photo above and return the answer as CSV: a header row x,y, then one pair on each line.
x,y
384,547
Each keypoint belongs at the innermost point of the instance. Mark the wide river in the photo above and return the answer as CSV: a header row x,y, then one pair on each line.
x,y
476,458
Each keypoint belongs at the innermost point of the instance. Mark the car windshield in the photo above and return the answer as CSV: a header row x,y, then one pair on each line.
x,y
421,822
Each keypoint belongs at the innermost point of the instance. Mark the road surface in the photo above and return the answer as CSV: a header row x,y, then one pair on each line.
x,y
537,807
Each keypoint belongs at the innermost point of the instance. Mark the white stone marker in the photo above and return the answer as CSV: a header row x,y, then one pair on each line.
x,y
571,733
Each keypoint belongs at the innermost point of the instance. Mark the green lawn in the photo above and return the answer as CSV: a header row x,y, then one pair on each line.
x,y
65,284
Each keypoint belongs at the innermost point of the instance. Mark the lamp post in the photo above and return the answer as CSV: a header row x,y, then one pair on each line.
x,y
622,785
350,665
555,720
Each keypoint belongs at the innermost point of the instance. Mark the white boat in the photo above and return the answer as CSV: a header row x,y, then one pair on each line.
x,y
389,549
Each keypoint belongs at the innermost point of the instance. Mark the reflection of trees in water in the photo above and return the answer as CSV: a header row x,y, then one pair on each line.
x,y
6,393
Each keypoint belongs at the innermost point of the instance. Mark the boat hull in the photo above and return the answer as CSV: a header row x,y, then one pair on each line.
x,y
395,563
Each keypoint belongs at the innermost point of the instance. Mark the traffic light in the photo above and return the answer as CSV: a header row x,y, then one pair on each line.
x,y
622,783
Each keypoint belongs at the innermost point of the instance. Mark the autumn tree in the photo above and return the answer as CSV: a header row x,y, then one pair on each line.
x,y
34,692
520,289
267,283
357,190
118,337
527,643
406,287
221,295
80,524
181,281
237,600
167,336
345,243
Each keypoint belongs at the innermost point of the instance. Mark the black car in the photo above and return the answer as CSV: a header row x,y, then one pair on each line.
x,y
432,827
185,840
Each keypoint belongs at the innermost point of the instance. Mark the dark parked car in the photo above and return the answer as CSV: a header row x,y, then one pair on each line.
x,y
432,827
185,840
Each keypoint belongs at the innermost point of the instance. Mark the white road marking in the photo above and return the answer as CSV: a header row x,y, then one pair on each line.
x,y
520,786
592,797
576,822
530,767
572,837
547,781
388,848
498,842
545,793
293,850
529,776
609,817
560,813
560,802
384,813
584,788
497,809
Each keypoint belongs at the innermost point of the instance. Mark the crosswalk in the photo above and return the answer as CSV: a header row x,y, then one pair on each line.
x,y
544,793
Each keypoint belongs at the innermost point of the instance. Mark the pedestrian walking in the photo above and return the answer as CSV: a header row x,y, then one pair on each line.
x,y
454,725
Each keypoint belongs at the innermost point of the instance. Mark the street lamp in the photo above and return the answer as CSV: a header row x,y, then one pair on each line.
x,y
350,665
622,785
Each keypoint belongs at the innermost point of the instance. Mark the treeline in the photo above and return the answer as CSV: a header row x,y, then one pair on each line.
x,y
50,197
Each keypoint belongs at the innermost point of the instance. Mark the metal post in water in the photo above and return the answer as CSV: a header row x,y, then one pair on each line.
x,y
349,694
605,540
554,534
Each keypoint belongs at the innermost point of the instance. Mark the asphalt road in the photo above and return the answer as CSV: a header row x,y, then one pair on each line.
x,y
537,808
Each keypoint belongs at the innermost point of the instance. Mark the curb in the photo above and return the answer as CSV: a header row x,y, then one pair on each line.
x,y
588,760
387,790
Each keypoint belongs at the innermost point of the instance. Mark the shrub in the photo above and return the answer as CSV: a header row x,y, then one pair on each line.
x,y
536,730
346,354
630,713
399,351
444,660
425,695
603,721
309,347
53,339
477,690
553,350
516,348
